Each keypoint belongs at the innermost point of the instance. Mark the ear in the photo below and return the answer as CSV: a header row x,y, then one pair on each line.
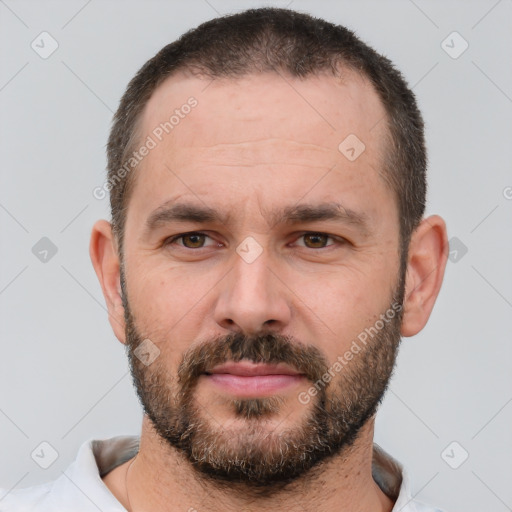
x,y
105,259
428,254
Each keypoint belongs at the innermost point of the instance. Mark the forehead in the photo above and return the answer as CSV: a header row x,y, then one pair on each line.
x,y
264,132
317,110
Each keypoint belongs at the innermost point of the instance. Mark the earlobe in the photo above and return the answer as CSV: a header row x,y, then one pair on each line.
x,y
105,260
428,253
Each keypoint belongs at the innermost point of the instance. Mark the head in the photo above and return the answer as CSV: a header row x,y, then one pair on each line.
x,y
267,247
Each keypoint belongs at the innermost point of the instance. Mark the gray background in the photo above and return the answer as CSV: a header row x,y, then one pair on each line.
x,y
63,374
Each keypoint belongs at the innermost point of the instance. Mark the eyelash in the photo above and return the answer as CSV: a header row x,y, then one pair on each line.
x,y
337,240
172,239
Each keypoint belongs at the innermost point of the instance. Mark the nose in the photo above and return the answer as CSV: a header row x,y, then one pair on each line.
x,y
252,298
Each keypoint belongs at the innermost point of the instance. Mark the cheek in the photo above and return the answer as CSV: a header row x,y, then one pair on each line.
x,y
169,304
342,305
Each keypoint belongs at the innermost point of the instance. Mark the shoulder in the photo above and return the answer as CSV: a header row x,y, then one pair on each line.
x,y
422,507
61,495
21,500
80,488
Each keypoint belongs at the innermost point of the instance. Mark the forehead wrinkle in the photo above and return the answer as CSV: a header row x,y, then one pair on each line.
x,y
258,152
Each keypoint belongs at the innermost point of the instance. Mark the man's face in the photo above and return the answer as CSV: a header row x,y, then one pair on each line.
x,y
268,289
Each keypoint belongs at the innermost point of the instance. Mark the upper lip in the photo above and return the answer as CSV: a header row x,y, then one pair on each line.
x,y
250,369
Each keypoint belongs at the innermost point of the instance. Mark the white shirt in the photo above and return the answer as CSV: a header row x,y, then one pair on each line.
x,y
81,489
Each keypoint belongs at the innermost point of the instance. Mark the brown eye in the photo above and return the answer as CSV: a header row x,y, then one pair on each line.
x,y
193,240
315,240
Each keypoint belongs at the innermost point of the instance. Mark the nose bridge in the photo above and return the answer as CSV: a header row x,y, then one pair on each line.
x,y
252,298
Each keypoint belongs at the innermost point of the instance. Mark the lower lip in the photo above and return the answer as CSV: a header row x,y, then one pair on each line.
x,y
255,385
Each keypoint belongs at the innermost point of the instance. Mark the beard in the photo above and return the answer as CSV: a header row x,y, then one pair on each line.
x,y
250,453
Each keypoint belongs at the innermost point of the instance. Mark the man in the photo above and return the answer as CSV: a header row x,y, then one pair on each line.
x,y
266,253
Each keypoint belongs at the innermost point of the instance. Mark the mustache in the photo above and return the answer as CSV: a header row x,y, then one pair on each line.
x,y
268,348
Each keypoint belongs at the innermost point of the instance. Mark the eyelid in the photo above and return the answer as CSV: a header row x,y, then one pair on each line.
x,y
171,239
336,239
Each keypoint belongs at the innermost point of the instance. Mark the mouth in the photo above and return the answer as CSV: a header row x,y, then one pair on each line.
x,y
246,379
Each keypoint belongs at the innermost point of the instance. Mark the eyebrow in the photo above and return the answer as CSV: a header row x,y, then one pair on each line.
x,y
182,212
304,213
296,214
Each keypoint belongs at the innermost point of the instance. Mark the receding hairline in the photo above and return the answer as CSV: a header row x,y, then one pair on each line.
x,y
345,72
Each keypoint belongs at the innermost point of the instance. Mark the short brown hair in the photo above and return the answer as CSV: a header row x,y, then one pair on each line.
x,y
270,39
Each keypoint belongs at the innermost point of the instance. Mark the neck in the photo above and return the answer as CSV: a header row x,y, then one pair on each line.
x,y
160,479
